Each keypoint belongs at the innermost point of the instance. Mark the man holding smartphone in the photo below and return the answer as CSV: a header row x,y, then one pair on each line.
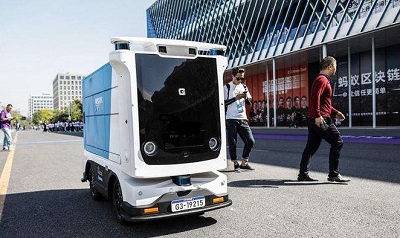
x,y
5,121
320,124
236,94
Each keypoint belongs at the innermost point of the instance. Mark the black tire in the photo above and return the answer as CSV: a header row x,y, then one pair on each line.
x,y
117,200
93,191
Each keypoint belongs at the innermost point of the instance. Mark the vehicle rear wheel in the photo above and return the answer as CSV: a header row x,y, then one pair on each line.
x,y
93,191
117,200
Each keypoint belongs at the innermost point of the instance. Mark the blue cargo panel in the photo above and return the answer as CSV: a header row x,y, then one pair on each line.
x,y
97,108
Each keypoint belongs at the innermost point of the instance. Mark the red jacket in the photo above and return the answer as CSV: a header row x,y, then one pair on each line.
x,y
321,98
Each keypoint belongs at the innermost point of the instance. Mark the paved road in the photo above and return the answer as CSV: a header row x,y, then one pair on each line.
x,y
45,197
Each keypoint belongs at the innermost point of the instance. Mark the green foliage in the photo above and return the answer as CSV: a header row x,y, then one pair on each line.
x,y
16,115
45,115
60,116
76,112
25,123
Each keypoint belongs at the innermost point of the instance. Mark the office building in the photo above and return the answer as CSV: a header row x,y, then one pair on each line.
x,y
66,88
280,44
39,102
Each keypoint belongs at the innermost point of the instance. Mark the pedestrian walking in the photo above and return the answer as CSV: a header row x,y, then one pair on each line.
x,y
320,124
236,95
5,121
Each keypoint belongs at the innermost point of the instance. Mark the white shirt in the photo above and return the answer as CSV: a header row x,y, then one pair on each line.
x,y
232,110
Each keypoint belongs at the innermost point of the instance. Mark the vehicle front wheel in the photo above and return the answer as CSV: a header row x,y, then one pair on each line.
x,y
117,200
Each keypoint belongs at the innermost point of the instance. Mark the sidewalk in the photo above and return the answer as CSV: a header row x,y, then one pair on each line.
x,y
389,135
345,131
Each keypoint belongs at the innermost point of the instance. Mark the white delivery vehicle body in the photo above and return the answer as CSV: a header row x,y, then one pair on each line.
x,y
154,134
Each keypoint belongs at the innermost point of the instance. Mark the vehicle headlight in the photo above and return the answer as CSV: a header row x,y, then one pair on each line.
x,y
150,148
213,143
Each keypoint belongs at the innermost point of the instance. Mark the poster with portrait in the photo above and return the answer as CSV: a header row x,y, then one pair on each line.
x,y
291,94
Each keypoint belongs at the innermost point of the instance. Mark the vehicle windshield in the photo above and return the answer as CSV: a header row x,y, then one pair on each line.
x,y
178,107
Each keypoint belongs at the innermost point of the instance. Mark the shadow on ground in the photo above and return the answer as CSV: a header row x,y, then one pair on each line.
x,y
379,162
272,183
72,213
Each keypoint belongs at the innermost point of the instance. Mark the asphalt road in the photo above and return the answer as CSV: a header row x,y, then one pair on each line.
x,y
45,197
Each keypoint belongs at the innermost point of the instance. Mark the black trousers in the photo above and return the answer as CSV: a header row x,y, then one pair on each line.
x,y
315,136
242,128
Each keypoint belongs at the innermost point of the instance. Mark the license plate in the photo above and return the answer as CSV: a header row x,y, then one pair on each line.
x,y
188,203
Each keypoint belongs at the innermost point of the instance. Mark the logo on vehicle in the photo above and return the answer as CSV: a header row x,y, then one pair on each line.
x,y
182,91
98,103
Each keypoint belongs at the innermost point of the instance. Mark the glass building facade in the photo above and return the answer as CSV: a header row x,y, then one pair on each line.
x,y
280,43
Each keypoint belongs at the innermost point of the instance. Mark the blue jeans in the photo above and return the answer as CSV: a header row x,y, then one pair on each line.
x,y
315,136
242,128
7,138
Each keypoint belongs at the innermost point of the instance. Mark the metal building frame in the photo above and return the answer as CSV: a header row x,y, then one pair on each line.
x,y
256,30
266,30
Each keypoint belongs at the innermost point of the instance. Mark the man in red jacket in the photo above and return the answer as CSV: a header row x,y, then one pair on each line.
x,y
320,124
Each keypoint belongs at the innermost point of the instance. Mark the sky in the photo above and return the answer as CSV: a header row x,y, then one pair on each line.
x,y
41,38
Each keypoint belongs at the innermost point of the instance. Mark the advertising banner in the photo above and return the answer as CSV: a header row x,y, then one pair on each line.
x,y
291,96
387,87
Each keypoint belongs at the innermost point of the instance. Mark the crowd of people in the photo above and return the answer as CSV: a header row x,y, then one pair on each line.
x,y
72,126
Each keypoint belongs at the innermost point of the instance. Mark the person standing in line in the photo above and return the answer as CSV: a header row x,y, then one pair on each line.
x,y
320,124
5,119
236,95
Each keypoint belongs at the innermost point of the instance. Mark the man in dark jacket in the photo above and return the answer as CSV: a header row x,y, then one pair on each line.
x,y
320,124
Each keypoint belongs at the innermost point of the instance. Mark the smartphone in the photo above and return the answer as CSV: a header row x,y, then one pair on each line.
x,y
324,125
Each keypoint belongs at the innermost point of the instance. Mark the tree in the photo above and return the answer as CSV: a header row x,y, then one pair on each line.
x,y
76,112
60,116
44,115
16,115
